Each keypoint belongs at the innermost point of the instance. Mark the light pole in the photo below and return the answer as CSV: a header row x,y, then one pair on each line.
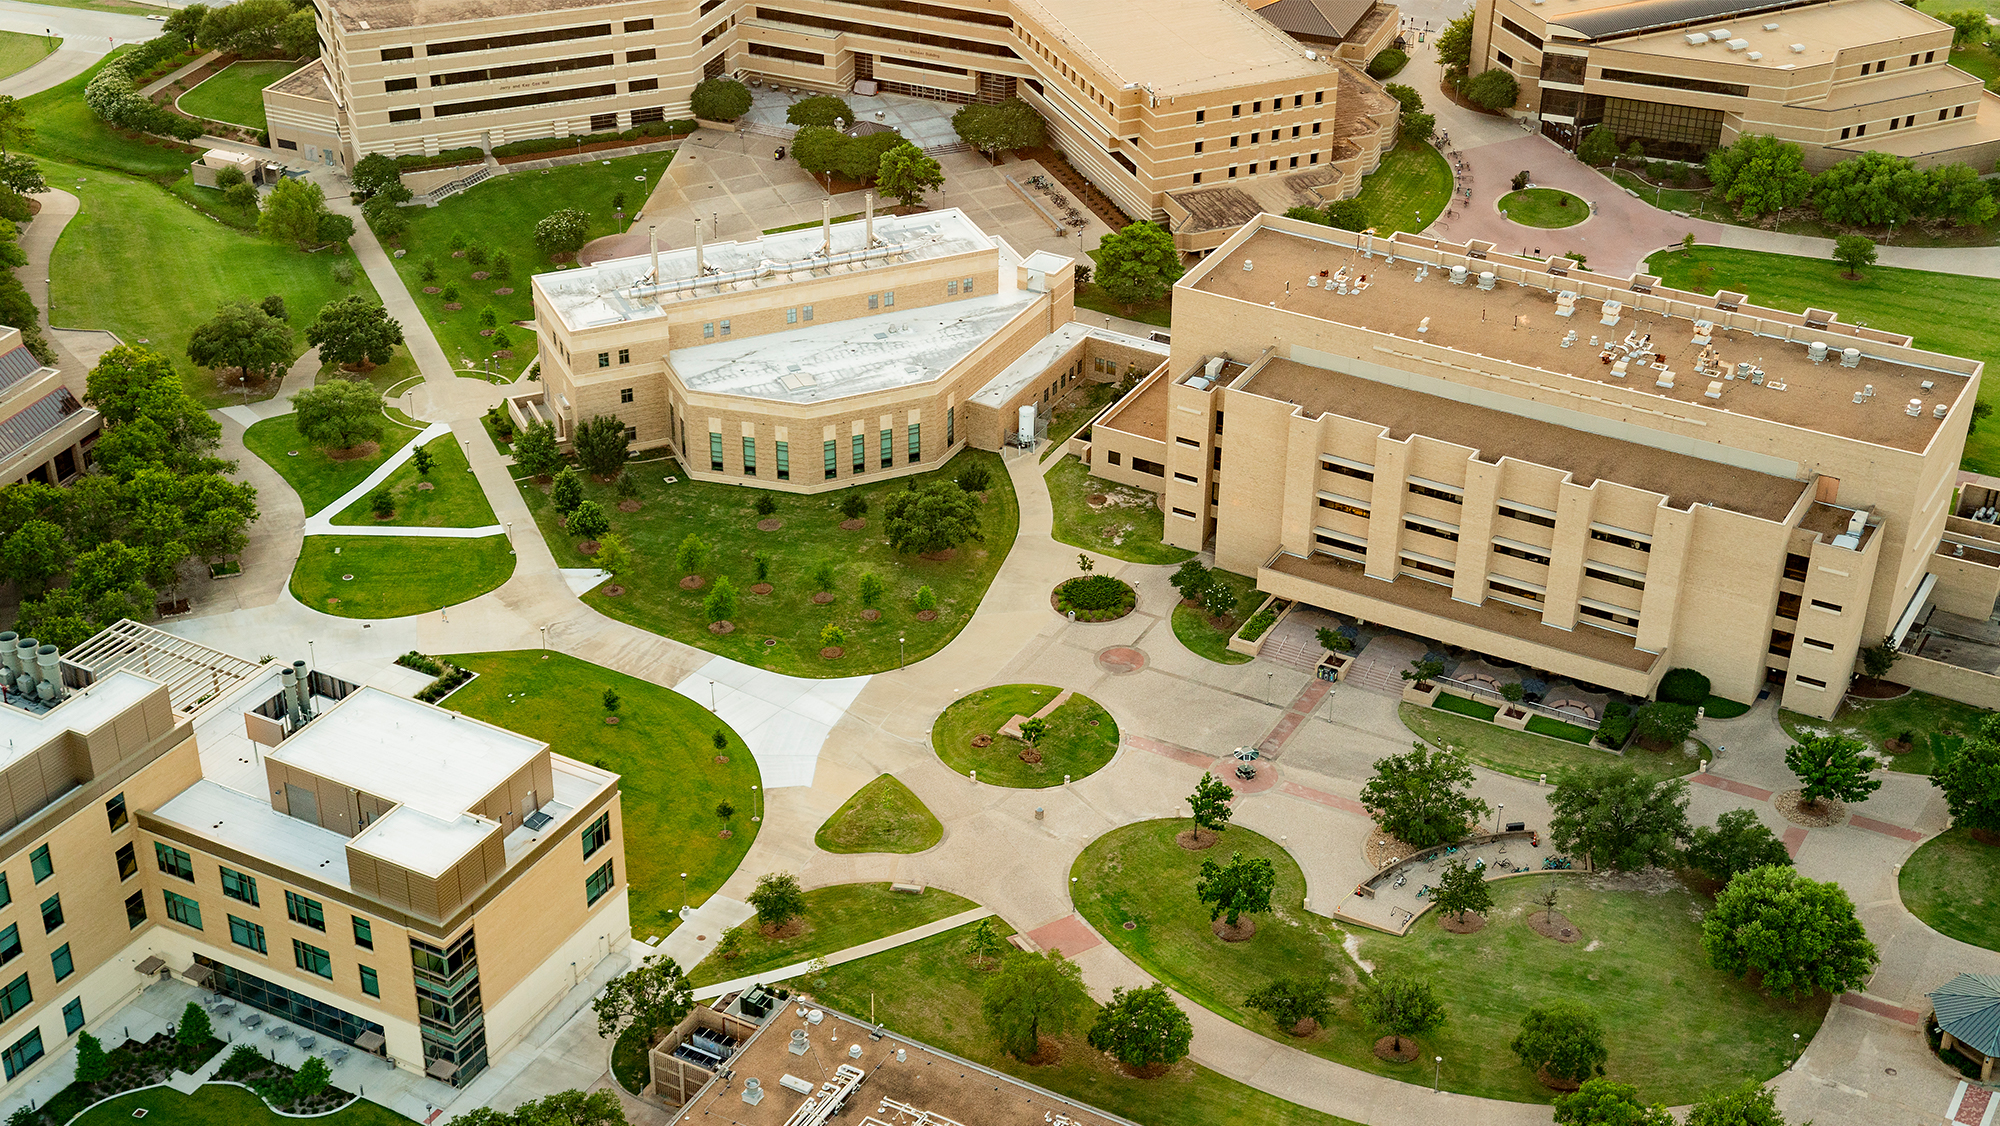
x,y
1795,1049
1499,812
755,815
684,895
899,652
1437,1074
545,639
510,537
711,695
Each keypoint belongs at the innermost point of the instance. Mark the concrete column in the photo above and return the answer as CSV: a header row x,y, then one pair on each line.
x,y
1574,506
1385,511
1673,530
1475,531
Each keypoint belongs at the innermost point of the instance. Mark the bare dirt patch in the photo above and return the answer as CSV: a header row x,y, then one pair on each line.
x,y
761,588
1030,755
1555,1084
589,547
832,653
613,591
630,505
1196,840
871,614
822,598
791,929
770,524
945,556
1553,924
693,582
854,525
1241,932
720,628
1817,815
982,741
927,615
1467,923
1383,849
1391,1049
1304,1028
1047,1052
1869,688
355,453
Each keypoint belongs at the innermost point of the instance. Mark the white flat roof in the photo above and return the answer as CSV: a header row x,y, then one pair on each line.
x,y
1036,360
833,359
610,292
411,753
84,710
1179,46
214,811
413,839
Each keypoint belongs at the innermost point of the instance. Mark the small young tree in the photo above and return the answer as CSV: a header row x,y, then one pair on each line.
x,y
1854,252
871,589
1333,641
1562,1041
1242,887
535,449
1033,995
1218,601
777,899
1737,843
853,505
1138,264
1423,797
563,232
602,447
566,491
936,517
1801,935
973,478
1970,781
906,173
475,253
1403,1007
760,566
1687,245
613,554
1209,807
1752,1104
1599,146
725,810
651,997
1292,1001
986,943
765,504
1878,659
309,1080
423,461
925,600
338,414
382,502
1462,889
589,521
92,1066
691,554
719,99
611,699
1142,1028
194,1032
823,576
501,265
1033,731
831,636
720,605
1601,1102
1191,580
1421,671
1832,768
1619,818
489,317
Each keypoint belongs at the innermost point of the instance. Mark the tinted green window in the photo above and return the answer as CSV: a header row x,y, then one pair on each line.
x,y
715,452
950,425
10,943
173,861
860,454
750,456
40,863
888,448
370,984
599,882
784,461
236,885
61,962
597,836
832,459
306,912
15,997
312,959
72,1016
247,934
52,912
6,896
183,910
364,933
916,441
25,1051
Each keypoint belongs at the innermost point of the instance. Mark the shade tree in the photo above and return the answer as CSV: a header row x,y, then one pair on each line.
x,y
1209,805
354,332
1462,889
1562,1041
931,518
1802,936
244,336
1005,127
1736,843
648,999
1033,995
1970,781
1602,1102
1401,1006
338,414
1292,1001
1423,796
1832,767
778,899
1138,264
1618,817
1142,1028
1758,173
1241,887
906,173
602,446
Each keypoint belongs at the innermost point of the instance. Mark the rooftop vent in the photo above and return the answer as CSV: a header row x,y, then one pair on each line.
x,y
1798,48
1915,409
1754,56
1940,410
1816,351
1486,279
1719,34
753,1090
1248,265
1458,275
1770,27
1739,44
794,1083
1850,358
1696,39
798,1046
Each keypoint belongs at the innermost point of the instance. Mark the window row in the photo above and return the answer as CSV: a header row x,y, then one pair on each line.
x,y
830,450
1257,106
1905,122
1250,169
1258,136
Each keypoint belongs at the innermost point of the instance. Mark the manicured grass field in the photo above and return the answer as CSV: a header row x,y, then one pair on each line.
x,y
454,500
1128,526
931,990
663,751
1953,883
18,52
318,479
1676,1028
1200,634
1409,191
837,917
1544,207
883,816
1530,756
1557,729
1446,702
170,268
1929,306
500,215
1072,747
1938,726
724,517
395,576
222,1104
66,131
235,94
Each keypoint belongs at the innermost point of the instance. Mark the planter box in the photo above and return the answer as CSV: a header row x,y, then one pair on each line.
x,y
1237,644
1335,667
1514,717
1422,695
720,126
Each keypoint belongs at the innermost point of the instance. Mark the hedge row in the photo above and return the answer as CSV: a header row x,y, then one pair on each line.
x,y
114,94
649,131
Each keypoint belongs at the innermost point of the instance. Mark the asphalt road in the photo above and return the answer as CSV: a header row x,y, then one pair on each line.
x,y
87,37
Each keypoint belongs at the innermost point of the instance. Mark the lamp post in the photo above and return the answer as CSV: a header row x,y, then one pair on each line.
x,y
899,652
545,639
1437,1073
684,895
1499,811
510,537
755,814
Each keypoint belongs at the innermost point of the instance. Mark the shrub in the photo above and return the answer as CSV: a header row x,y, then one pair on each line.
x,y
1259,622
926,599
383,502
421,663
1616,727
719,99
974,478
766,504
853,505
1683,686
1494,89
1095,598
820,109
1388,64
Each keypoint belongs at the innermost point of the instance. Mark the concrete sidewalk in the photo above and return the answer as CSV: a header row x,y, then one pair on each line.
x,y
841,957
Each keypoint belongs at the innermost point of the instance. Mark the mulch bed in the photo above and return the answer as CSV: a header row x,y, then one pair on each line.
x,y
982,740
433,289
1095,500
770,524
693,582
1304,1028
871,615
454,306
720,628
791,929
355,453
945,556
480,275
630,505
486,332
504,354
1796,811
1195,842
1150,1071
1463,924
1047,1051
854,525
1241,932
822,598
613,591
1868,688
927,615
1392,1050
1554,1084
611,721
1030,755
1554,925
1986,837
504,291
1897,747
832,653
589,547
760,588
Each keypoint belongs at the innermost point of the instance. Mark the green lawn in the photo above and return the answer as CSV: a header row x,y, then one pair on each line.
x,y
1555,728
121,7
209,202
883,816
1953,883
454,500
1937,726
235,94
1929,306
318,479
1409,191
722,515
66,130
837,917
174,267
1676,1027
18,52
500,215
1203,637
1529,756
1073,746
1077,410
1544,207
931,990
1446,702
1128,526
394,576
663,751
1978,60
222,1104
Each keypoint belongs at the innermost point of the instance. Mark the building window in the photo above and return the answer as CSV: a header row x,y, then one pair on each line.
x,y
707,329
25,1051
1431,528
181,909
950,426
1197,148
832,451
1347,469
725,328
72,1016
1437,492
52,913
792,315
597,836
135,909
1844,133
1795,566
364,933
889,299
312,959
1515,589
17,996
1339,504
247,934
370,984
128,862
1521,551
6,896
951,288
642,56
1622,578
1200,116
174,862
715,451
238,886
888,448
114,810
1606,613
1829,607
61,962
1197,178
1605,535
624,393
860,454
1781,643
40,864
874,301
1505,59
643,25
1809,682
10,943
784,461
399,85
604,359
305,912
599,882
806,311
1826,646
750,457
400,115
1788,605
916,443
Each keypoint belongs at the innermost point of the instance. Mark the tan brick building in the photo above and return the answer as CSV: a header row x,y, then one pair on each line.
x,y
1594,475
45,430
808,359
1836,78
382,873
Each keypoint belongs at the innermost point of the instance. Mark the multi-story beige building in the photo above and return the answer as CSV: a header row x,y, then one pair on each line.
x,y
382,873
809,359
1146,97
1836,78
45,430
1593,475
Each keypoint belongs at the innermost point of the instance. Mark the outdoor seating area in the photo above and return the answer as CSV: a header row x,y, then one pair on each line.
x,y
1393,898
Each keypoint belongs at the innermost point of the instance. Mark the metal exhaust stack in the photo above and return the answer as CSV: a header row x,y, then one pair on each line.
x,y
24,663
654,234
699,267
50,688
826,226
287,680
869,198
302,692
9,668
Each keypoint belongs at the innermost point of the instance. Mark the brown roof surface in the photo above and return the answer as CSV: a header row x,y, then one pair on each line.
x,y
1684,480
1493,615
308,81
1319,19
1518,324
1143,412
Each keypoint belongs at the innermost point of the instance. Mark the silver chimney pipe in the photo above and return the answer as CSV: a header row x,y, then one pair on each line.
x,y
654,234
869,202
700,267
24,665
287,680
51,687
302,691
8,666
826,225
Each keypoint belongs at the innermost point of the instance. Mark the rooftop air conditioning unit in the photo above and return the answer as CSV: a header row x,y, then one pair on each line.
x,y
1798,48
1770,27
1719,34
1754,56
1696,39
1739,44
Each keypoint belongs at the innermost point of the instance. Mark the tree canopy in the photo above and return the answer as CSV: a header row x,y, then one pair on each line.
x,y
777,899
1290,1000
339,414
1601,1102
1493,88
1752,1104
1832,767
1454,45
1031,996
354,331
1138,264
934,517
601,445
242,335
536,449
906,173
1462,888
1873,189
1242,887
819,109
1854,252
1209,804
1802,935
1759,174
1737,843
1563,1040
719,99
1970,781
651,997
294,209
1401,1006
1012,124
1423,796
1142,1027
1619,818
563,231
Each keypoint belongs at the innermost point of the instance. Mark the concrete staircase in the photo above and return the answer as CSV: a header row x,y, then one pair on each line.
x,y
1376,677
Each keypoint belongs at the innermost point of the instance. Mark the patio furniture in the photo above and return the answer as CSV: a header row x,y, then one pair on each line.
x,y
280,1032
337,1057
253,1020
308,1042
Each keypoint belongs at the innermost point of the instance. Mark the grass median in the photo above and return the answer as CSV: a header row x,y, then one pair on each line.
x,y
395,576
1527,755
318,478
883,816
235,94
836,918
1125,524
1409,190
454,499
1934,727
1082,737
225,1104
1952,883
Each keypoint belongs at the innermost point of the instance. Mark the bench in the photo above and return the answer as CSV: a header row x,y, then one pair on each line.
x,y
907,889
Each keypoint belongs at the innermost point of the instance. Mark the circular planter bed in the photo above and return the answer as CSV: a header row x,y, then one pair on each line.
x,y
1094,598
453,306
613,591
1391,1049
1817,816
588,547
693,582
854,525
770,524
871,615
1547,208
760,588
720,628
1552,924
927,615
832,653
976,734
822,598
630,506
